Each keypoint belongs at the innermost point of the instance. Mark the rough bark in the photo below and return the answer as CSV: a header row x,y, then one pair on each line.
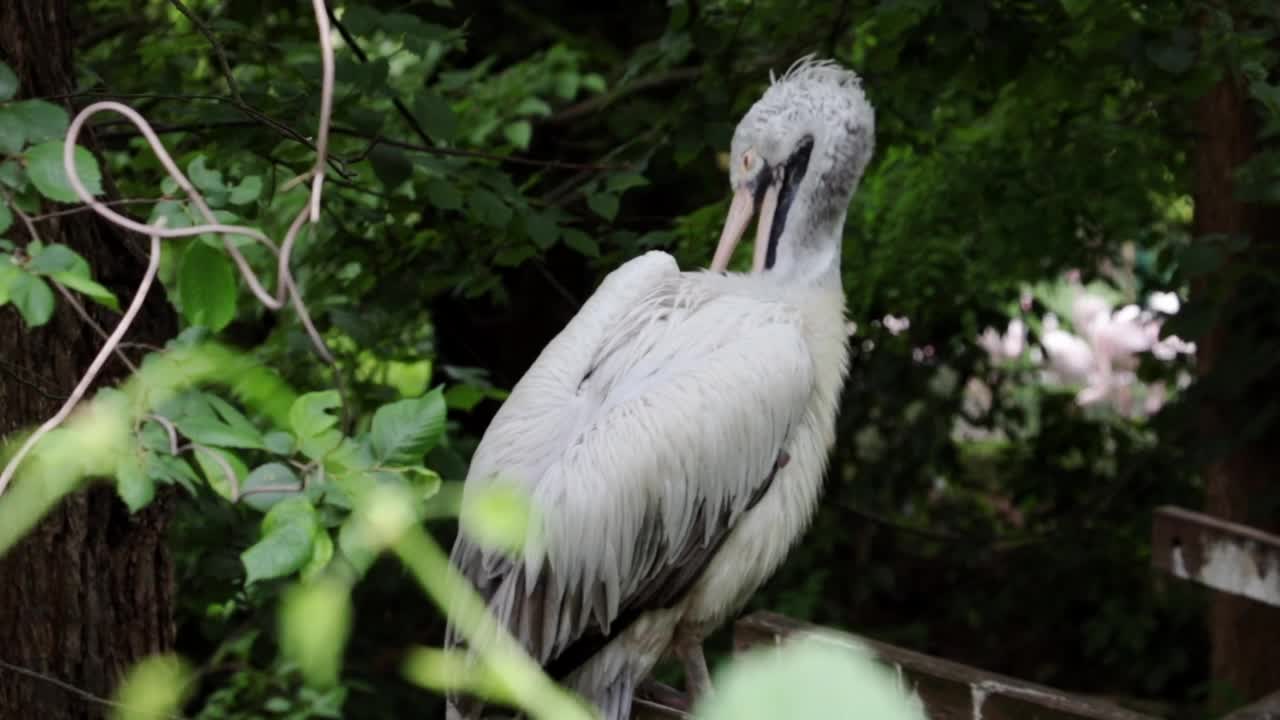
x,y
90,590
1246,655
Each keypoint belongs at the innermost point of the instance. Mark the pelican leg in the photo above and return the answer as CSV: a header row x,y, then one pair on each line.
x,y
697,679
660,695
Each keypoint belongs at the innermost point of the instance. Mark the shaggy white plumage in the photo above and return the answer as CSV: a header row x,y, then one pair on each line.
x,y
674,436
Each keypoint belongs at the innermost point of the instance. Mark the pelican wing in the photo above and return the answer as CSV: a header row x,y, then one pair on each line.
x,y
643,433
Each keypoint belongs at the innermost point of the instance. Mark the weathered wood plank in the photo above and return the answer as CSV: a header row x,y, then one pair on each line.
x,y
1223,555
1268,708
949,690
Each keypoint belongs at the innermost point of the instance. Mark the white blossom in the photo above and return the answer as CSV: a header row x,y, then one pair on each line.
x,y
896,325
1164,302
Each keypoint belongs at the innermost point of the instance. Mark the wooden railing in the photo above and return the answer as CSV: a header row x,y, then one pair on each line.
x,y
1225,556
948,690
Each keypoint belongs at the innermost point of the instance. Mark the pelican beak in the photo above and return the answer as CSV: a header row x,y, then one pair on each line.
x,y
735,224
764,227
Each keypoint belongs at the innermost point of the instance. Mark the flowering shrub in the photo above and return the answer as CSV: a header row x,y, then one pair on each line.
x,y
1087,345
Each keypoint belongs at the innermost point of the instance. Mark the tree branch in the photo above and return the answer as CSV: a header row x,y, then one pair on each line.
x,y
217,48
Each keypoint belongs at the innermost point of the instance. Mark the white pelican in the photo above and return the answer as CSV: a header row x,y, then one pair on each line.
x,y
673,437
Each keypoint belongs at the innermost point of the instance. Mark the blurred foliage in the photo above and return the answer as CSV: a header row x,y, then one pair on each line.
x,y
491,161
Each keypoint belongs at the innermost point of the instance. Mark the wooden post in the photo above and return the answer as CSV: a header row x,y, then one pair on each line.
x,y
1225,556
949,690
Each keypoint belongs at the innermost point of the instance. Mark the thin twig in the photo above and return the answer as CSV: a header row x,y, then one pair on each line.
x,y
83,694
232,479
217,47
354,44
66,294
170,429
109,203
480,154
84,315
271,489
600,102
125,322
17,373
374,140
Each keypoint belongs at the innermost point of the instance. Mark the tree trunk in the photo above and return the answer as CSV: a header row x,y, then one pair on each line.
x,y
90,591
1245,634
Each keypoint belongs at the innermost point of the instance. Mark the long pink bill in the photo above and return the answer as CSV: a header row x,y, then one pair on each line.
x,y
735,224
763,227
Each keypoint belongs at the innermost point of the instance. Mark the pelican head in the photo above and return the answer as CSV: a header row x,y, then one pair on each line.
x,y
796,159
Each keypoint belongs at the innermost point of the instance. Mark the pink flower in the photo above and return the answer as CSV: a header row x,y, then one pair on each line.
x,y
1007,346
1015,337
896,325
1068,355
1116,336
1171,347
1086,306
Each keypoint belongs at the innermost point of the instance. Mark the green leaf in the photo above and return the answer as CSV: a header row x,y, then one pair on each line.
x,y
581,242
208,430
533,106
443,195
321,556
11,173
809,677
6,217
310,414
207,287
489,208
313,424
88,288
498,516
593,82
9,274
214,472
404,431
349,456
171,469
44,121
391,165
567,84
132,483
464,397
204,178
280,443
1171,58
13,131
621,182
1076,8
153,689
604,204
44,166
247,191
356,546
315,620
56,258
272,474
541,229
425,482
436,116
8,82
288,538
33,298
513,255
519,133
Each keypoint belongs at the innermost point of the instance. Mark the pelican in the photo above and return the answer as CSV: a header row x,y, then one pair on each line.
x,y
674,436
